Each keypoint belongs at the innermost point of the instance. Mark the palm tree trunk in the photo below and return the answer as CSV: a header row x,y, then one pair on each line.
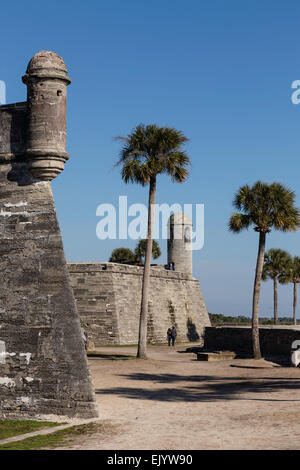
x,y
256,292
142,345
295,303
275,302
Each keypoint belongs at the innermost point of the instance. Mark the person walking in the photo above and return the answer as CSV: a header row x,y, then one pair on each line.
x,y
173,335
169,336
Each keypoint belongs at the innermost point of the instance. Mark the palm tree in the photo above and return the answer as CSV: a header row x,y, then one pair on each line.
x,y
140,250
276,264
292,275
264,206
147,152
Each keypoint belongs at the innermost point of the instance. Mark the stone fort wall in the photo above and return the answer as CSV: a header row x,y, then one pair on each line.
x,y
108,297
43,365
43,368
274,340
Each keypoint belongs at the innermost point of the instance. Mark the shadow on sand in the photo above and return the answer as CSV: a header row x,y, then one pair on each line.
x,y
111,357
207,389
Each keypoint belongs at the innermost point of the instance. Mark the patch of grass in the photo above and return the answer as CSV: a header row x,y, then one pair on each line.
x,y
10,428
57,439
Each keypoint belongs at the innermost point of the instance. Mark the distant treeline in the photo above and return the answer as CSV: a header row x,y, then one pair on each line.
x,y
219,319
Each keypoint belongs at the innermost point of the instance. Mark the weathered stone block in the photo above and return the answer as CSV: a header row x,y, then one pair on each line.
x,y
215,356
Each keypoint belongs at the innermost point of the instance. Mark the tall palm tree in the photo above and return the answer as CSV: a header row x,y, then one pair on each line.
x,y
266,206
147,152
276,264
292,275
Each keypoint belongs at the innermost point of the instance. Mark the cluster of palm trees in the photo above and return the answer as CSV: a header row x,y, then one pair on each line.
x,y
281,267
126,256
149,151
265,207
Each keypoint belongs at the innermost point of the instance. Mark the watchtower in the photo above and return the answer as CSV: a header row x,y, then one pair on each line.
x,y
180,242
47,80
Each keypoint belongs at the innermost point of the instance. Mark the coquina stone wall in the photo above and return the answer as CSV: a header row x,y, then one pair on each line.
x,y
274,340
43,368
108,297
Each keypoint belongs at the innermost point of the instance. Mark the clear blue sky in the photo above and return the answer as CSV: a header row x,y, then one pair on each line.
x,y
221,71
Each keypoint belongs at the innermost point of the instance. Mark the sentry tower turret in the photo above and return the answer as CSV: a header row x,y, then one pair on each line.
x,y
47,80
179,242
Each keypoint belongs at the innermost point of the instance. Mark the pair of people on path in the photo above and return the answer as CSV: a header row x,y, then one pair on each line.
x,y
171,334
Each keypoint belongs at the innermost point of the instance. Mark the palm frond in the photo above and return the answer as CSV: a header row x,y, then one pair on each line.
x,y
268,206
151,150
239,222
292,273
277,263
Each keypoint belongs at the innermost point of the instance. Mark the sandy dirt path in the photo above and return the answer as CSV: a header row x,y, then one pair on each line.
x,y
173,401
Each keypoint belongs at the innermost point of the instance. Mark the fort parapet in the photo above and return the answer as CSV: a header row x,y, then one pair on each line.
x,y
108,297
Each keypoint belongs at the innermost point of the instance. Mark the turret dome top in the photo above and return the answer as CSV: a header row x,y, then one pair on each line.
x,y
180,218
47,64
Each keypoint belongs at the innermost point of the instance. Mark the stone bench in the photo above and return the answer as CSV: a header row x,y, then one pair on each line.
x,y
215,356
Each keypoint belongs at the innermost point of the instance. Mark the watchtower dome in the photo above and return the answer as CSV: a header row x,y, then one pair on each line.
x,y
180,242
47,80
